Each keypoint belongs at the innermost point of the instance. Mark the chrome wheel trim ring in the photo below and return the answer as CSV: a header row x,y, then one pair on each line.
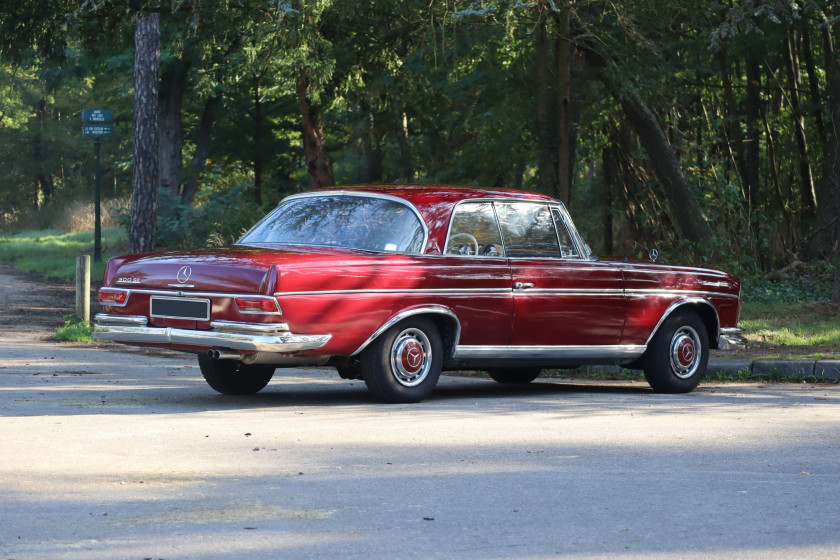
x,y
685,351
411,357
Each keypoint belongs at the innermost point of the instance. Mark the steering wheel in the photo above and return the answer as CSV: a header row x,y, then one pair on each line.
x,y
463,248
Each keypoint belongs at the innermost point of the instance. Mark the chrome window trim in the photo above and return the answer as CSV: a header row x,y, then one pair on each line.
x,y
341,192
622,352
410,313
574,237
573,233
583,254
545,203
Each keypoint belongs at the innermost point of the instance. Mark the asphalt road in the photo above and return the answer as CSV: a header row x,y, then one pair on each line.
x,y
109,455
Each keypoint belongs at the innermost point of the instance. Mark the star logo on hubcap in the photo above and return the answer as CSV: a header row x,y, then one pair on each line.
x,y
414,357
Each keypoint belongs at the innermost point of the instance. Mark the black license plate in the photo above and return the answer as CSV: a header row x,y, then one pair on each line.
x,y
180,308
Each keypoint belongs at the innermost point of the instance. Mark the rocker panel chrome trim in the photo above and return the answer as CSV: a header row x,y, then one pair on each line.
x,y
607,353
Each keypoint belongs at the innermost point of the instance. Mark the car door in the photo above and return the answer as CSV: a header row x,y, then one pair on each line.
x,y
474,262
560,298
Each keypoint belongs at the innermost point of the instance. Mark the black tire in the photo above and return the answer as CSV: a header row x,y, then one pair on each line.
x,y
675,360
232,377
514,376
403,365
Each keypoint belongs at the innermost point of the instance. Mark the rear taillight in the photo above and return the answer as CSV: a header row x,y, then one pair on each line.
x,y
256,304
113,296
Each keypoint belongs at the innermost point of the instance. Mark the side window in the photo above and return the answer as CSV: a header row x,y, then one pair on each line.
x,y
528,229
474,231
567,246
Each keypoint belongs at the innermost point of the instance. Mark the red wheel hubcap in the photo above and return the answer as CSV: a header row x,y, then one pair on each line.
x,y
686,352
412,356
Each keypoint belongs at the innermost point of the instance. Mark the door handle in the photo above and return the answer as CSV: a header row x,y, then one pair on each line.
x,y
522,285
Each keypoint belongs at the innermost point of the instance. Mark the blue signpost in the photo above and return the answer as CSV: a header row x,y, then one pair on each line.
x,y
97,124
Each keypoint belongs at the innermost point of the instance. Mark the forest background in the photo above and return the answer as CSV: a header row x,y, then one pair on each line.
x,y
705,129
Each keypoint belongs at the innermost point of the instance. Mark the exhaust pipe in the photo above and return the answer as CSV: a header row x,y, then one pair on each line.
x,y
222,355
270,358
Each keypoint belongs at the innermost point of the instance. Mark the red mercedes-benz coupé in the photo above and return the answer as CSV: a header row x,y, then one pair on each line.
x,y
393,284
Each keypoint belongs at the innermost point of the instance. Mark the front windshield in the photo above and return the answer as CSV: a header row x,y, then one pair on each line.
x,y
339,220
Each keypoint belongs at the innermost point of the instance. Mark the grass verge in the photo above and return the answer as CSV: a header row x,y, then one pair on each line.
x,y
53,253
74,329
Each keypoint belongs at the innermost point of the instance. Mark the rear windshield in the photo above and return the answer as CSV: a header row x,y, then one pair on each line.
x,y
354,222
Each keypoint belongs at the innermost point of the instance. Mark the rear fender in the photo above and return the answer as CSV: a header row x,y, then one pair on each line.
x,y
444,318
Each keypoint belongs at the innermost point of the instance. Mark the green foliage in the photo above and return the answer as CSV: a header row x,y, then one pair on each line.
x,y
439,92
220,220
812,284
74,330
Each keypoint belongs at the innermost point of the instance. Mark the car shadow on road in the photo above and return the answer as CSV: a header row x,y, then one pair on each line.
x,y
76,394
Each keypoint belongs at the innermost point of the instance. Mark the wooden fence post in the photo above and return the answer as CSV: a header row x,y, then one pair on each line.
x,y
83,287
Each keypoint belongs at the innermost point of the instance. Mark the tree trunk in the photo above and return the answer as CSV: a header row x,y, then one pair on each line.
x,y
734,137
831,175
547,127
806,178
145,179
257,161
683,205
202,149
831,170
607,180
753,116
173,82
315,151
814,91
373,157
406,158
43,182
565,133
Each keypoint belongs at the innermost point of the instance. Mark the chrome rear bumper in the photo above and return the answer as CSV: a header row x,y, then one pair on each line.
x,y
731,338
249,337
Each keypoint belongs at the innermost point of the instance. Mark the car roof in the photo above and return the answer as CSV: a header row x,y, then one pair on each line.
x,y
436,202
435,193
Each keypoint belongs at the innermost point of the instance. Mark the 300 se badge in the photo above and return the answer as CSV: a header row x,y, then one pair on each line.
x,y
394,284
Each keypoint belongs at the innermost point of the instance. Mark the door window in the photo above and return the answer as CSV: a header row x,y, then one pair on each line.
x,y
567,246
528,230
474,231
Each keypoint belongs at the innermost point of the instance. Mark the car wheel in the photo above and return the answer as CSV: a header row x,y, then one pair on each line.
x,y
232,377
516,376
403,365
676,359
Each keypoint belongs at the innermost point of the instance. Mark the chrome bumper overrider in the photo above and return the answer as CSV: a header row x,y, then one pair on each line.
x,y
731,338
250,337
